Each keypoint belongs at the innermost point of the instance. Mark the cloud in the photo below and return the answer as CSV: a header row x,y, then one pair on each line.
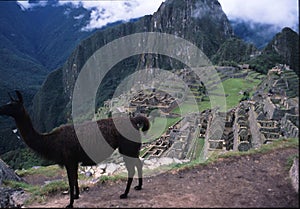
x,y
282,13
25,5
104,12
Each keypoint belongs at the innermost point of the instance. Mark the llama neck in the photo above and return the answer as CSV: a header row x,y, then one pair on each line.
x,y
27,131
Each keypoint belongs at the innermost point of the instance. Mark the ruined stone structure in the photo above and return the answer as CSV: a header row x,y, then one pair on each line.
x,y
157,148
231,72
156,99
270,115
290,125
262,128
220,131
275,107
282,80
242,136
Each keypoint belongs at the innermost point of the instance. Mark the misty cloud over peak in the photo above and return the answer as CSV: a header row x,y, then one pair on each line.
x,y
104,12
280,13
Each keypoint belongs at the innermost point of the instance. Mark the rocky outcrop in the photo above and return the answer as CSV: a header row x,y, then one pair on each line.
x,y
294,174
7,173
10,198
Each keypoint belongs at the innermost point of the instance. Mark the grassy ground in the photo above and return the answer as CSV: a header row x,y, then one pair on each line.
x,y
158,127
233,89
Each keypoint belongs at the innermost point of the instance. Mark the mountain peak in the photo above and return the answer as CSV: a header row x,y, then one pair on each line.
x,y
201,22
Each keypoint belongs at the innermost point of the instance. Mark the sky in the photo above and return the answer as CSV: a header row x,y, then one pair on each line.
x,y
282,13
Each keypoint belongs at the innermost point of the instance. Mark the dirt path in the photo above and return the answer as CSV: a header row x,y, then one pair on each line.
x,y
259,180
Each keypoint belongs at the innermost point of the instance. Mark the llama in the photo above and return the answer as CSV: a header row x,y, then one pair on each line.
x,y
61,145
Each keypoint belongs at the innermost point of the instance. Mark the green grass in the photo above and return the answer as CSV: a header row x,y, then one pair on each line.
x,y
290,161
113,178
231,87
54,187
160,126
38,193
265,148
16,185
49,171
199,148
186,108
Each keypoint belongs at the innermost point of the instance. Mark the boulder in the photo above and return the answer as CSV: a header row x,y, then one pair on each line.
x,y
294,174
6,173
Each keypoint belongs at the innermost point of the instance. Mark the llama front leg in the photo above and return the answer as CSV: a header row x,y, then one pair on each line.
x,y
76,196
130,169
71,171
125,194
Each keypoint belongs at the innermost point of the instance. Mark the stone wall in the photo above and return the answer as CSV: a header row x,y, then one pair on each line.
x,y
241,131
289,125
275,112
257,137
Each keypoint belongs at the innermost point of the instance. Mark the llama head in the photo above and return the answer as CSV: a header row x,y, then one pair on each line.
x,y
14,108
142,123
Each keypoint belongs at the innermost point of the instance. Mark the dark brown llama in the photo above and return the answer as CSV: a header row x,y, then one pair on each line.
x,y
62,146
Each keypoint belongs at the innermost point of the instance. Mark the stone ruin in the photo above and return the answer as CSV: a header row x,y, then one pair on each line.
x,y
282,80
220,131
158,147
266,118
227,72
155,99
290,125
242,136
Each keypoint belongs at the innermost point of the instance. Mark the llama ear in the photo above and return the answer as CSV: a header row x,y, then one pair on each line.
x,y
11,99
20,97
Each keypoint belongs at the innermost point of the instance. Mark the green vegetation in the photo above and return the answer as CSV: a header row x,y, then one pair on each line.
x,y
186,108
39,193
159,126
235,90
197,150
54,187
232,52
280,143
49,171
265,61
283,49
113,178
23,158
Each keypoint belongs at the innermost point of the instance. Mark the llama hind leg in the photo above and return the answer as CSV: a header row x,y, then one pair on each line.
x,y
139,167
130,169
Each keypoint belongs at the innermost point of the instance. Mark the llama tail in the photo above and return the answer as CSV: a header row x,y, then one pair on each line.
x,y
141,122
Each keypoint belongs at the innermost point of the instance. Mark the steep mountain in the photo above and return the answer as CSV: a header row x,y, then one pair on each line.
x,y
47,34
283,49
234,50
201,22
258,34
33,42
